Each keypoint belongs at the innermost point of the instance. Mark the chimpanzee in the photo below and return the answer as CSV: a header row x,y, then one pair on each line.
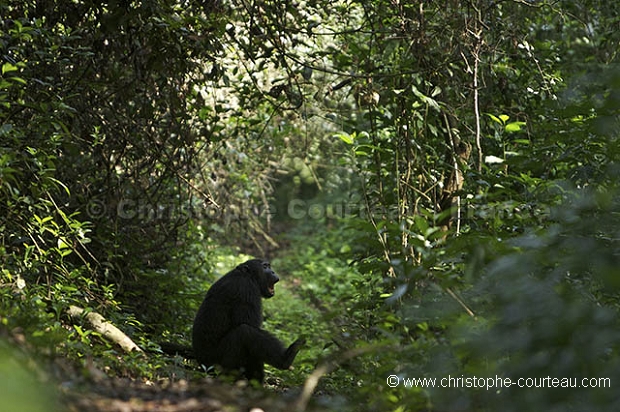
x,y
227,328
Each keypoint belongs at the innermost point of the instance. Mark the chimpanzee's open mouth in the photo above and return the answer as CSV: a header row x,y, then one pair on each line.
x,y
272,290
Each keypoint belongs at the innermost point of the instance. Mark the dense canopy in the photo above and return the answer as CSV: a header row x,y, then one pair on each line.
x,y
435,183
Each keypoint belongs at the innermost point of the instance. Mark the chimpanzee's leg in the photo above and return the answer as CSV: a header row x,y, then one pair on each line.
x,y
248,348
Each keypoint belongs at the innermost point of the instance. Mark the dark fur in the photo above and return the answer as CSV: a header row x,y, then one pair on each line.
x,y
227,328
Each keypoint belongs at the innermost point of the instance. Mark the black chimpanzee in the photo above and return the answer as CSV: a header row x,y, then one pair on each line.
x,y
227,328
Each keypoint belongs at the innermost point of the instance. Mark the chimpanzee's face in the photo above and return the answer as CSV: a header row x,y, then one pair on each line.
x,y
264,275
269,280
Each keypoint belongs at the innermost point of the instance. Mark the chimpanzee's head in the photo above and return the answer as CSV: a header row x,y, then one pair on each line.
x,y
264,275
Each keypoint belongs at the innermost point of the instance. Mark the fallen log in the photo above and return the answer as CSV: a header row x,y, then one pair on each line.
x,y
100,325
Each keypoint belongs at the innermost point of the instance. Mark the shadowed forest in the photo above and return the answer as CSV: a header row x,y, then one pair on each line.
x,y
435,184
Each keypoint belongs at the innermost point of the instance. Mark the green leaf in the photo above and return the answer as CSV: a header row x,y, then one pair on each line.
x,y
345,137
62,243
8,67
522,141
421,223
495,118
61,184
514,126
425,99
41,221
19,80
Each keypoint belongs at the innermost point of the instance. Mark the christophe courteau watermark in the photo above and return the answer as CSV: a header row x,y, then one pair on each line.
x,y
495,382
294,209
130,209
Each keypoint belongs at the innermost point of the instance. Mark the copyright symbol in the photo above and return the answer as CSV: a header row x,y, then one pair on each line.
x,y
95,209
393,381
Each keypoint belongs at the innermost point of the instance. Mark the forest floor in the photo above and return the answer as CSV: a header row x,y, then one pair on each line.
x,y
124,395
61,385
98,392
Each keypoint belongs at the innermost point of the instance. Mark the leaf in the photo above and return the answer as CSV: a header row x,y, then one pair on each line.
x,y
20,282
18,80
59,183
493,160
8,67
345,137
514,126
371,147
495,118
421,223
62,243
43,220
425,99
522,141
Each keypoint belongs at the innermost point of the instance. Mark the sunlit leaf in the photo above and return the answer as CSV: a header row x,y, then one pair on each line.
x,y
514,126
495,118
345,137
8,67
493,160
62,244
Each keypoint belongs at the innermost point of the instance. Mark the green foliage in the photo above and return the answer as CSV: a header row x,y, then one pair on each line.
x,y
544,302
325,301
95,147
22,387
446,174
543,136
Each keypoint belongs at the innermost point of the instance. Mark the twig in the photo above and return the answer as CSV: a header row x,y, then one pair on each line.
x,y
325,368
460,301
